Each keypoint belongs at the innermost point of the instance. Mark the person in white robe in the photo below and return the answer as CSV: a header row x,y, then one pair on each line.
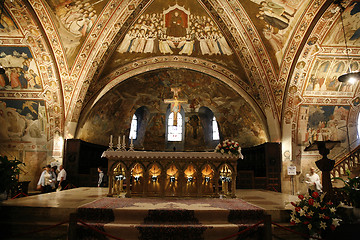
x,y
150,42
142,41
164,45
135,41
124,46
203,45
224,46
313,181
188,46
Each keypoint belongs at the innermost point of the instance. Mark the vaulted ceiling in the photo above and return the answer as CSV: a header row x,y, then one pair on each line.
x,y
277,54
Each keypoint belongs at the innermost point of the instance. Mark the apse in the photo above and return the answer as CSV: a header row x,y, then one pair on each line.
x,y
201,98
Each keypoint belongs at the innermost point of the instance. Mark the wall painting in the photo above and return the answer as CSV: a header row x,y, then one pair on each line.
x,y
8,26
19,70
23,121
323,78
322,123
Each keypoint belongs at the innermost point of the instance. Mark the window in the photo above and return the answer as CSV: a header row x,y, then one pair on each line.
x,y
133,128
174,132
215,129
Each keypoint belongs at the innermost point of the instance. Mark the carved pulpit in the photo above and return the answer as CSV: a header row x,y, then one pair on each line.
x,y
324,164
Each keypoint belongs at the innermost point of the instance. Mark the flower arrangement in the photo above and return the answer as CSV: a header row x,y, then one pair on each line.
x,y
312,215
229,147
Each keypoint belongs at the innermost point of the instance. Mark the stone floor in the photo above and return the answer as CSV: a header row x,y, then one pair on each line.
x,y
73,198
65,202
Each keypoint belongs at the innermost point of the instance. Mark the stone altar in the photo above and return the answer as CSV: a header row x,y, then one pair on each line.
x,y
171,174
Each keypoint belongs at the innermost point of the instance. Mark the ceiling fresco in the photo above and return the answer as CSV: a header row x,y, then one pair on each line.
x,y
275,21
113,112
74,20
171,28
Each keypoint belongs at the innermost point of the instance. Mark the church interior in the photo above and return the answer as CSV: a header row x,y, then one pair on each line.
x,y
147,89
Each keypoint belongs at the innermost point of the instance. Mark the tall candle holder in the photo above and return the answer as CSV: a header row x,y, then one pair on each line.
x,y
111,144
123,147
118,146
131,145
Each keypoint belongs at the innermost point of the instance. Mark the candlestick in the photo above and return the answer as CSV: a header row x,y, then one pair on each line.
x,y
123,147
131,145
118,147
111,144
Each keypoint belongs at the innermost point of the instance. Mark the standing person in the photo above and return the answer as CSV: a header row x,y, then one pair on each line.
x,y
313,181
61,178
47,180
101,177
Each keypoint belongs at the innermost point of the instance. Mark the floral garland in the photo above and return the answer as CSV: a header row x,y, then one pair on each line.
x,y
229,147
312,215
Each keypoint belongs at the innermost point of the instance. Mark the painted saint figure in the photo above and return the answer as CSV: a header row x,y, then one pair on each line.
x,y
176,28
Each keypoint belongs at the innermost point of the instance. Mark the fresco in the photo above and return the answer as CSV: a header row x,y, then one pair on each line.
x,y
74,20
322,123
18,69
351,18
8,26
172,28
23,121
323,78
113,113
274,20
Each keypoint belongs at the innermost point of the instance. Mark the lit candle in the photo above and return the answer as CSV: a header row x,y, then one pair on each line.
x,y
111,139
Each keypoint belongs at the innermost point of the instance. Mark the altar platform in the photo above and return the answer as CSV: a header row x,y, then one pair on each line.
x,y
27,214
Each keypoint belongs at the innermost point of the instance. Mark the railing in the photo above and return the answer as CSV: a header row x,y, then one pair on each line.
x,y
347,162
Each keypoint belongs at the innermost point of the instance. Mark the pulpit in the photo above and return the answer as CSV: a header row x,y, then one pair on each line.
x,y
171,174
324,164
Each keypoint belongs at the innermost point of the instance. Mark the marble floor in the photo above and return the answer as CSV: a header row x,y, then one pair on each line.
x,y
73,198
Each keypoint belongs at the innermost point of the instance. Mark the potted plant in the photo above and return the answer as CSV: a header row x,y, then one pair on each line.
x,y
352,189
9,169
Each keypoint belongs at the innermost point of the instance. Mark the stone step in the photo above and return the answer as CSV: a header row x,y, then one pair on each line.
x,y
169,231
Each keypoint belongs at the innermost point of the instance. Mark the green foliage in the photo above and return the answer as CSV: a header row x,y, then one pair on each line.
x,y
352,188
9,169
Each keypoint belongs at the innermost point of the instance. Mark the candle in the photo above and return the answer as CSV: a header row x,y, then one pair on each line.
x,y
124,140
131,141
111,139
119,143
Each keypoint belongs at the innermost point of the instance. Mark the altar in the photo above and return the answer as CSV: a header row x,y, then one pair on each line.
x,y
171,174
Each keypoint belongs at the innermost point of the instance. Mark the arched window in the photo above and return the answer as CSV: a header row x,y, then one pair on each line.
x,y
215,129
133,128
175,132
210,126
